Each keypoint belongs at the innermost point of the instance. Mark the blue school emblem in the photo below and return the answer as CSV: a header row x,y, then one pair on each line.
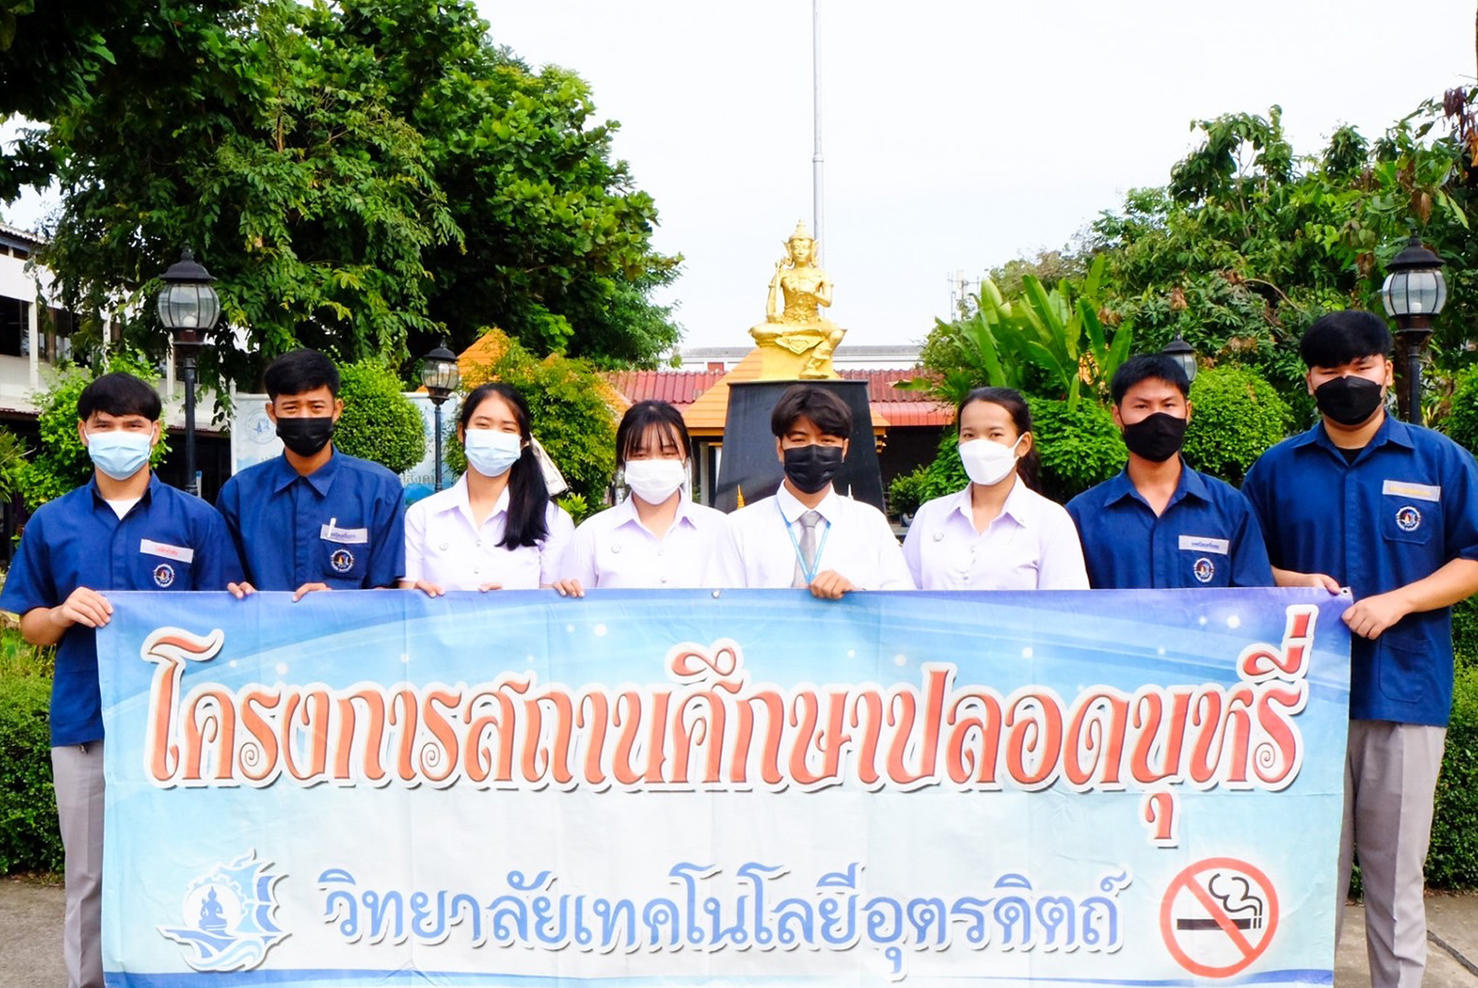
x,y
342,560
1408,519
163,576
1204,570
228,917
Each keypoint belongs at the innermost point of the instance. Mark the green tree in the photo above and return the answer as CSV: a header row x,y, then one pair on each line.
x,y
379,422
61,461
1236,415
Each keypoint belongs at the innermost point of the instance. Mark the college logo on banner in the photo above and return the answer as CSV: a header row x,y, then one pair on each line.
x,y
228,917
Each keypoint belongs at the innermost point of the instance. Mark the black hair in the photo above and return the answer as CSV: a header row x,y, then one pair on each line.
x,y
299,372
1148,367
528,496
1028,467
119,394
828,412
646,415
1336,338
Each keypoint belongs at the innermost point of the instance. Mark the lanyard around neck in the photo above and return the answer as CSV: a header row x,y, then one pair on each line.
x,y
809,572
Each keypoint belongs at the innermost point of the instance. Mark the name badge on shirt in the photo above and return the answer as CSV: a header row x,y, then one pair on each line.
x,y
1417,492
343,536
1199,543
179,553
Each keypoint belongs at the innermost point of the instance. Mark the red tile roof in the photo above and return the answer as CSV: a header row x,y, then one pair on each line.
x,y
678,387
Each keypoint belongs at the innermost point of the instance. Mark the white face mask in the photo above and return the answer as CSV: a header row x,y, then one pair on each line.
x,y
492,453
654,481
988,463
119,454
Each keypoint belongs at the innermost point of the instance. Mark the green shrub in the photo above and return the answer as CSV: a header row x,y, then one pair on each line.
x,y
29,837
1461,423
1079,446
905,492
61,463
379,422
1236,414
1452,861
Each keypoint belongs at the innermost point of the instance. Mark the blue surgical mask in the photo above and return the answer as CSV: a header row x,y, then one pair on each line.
x,y
119,454
492,453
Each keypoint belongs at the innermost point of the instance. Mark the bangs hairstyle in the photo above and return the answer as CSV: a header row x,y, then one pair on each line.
x,y
642,418
528,496
829,413
1148,367
1028,467
118,394
1337,338
299,372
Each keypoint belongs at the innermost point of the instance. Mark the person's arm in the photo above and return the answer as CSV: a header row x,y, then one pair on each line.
x,y
227,503
217,564
1250,566
387,563
892,568
577,568
913,548
726,565
414,539
1061,566
1456,580
1293,578
47,625
552,550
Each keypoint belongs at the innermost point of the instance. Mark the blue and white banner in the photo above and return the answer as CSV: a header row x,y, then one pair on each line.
x,y
636,788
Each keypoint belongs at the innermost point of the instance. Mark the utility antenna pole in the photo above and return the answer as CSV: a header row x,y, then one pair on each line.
x,y
818,204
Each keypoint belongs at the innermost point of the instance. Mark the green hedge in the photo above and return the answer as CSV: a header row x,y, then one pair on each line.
x,y
1452,862
1236,415
29,838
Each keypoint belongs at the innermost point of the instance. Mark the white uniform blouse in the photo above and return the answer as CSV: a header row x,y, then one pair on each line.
x,y
1031,545
856,541
443,545
614,549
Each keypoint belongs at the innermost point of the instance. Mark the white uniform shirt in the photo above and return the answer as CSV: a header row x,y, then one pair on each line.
x,y
1031,545
757,549
614,549
443,545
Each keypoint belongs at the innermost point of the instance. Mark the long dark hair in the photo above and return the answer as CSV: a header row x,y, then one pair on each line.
x,y
1029,467
528,497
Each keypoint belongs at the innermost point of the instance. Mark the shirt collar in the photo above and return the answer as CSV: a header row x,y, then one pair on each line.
x,y
1392,430
1190,484
320,480
457,498
99,501
1020,506
792,509
625,512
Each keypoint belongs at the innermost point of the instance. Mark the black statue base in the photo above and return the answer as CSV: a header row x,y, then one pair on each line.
x,y
749,468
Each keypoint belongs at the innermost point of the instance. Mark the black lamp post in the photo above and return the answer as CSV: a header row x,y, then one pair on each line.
x,y
440,375
189,308
1180,351
1414,292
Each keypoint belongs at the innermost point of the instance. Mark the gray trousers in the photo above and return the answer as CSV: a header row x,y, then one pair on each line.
x,y
1390,781
77,772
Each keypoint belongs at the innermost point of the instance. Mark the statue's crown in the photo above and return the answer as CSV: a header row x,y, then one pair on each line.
x,y
801,232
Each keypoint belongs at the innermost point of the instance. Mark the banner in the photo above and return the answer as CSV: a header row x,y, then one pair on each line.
x,y
704,788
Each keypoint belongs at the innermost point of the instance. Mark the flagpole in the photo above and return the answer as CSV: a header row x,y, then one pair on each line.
x,y
818,206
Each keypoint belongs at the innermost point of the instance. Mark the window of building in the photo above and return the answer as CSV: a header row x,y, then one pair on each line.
x,y
15,319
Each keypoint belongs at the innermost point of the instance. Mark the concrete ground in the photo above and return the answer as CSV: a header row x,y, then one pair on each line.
x,y
31,952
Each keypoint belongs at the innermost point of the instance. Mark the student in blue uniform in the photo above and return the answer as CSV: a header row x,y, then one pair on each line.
x,y
1160,523
1389,510
123,530
313,518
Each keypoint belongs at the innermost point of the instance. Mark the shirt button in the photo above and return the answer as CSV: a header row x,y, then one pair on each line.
x,y
664,579
938,536
476,569
444,546
616,547
478,543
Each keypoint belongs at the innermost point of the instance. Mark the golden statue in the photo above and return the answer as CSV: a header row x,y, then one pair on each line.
x,y
796,341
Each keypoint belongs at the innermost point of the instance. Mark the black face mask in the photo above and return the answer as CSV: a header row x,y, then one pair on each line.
x,y
811,468
1348,400
305,437
1157,437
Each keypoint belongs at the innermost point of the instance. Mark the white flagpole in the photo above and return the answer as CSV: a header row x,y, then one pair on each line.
x,y
818,204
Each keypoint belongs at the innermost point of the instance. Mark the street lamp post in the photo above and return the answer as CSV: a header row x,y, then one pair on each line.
x,y
440,375
189,308
1180,351
1413,293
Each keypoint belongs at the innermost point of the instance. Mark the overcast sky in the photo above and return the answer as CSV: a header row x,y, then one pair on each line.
x,y
957,135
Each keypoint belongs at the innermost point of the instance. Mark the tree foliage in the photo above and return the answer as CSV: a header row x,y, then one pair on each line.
x,y
1236,415
362,177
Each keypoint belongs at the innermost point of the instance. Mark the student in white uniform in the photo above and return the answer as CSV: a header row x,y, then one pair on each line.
x,y
807,535
657,537
496,528
998,533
